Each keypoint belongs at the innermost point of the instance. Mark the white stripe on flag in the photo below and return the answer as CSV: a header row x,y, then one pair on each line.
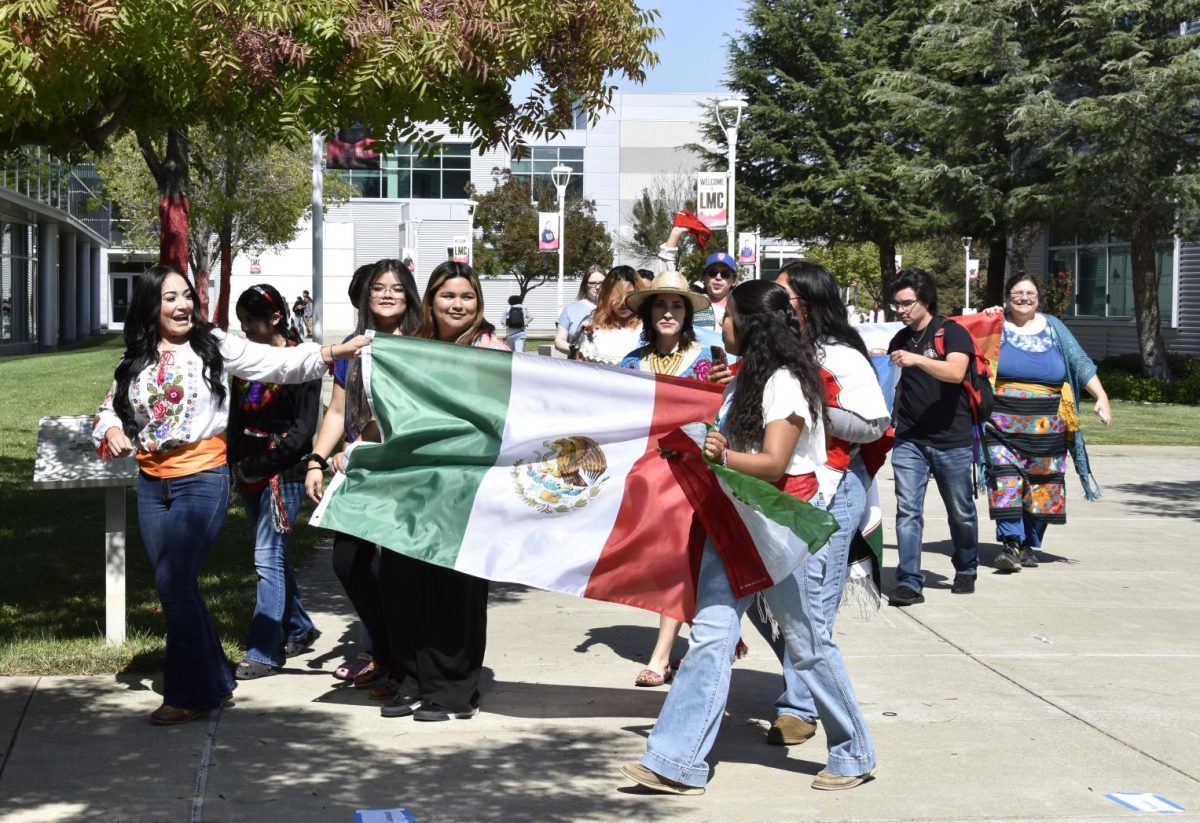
x,y
560,552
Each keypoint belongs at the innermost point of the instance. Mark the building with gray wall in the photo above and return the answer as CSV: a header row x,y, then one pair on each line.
x,y
53,230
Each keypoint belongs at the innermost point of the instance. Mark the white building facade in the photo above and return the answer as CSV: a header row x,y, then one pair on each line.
x,y
419,203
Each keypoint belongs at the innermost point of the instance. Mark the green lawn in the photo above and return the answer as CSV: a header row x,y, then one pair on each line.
x,y
52,542
1143,424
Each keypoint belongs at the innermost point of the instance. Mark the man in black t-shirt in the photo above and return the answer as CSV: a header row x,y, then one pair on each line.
x,y
933,436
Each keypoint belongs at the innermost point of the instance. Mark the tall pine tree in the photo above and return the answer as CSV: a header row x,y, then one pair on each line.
x,y
817,160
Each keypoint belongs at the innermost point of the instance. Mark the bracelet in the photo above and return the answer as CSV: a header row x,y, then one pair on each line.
x,y
725,458
313,457
313,468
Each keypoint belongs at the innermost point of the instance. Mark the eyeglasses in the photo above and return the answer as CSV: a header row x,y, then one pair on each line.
x,y
800,302
1029,295
903,305
380,291
595,284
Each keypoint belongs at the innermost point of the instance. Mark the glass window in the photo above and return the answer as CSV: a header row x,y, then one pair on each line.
x,y
1089,289
1164,268
1104,274
426,185
1120,283
397,184
534,170
454,183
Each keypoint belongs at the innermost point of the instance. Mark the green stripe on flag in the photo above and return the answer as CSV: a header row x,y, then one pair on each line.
x,y
442,408
812,525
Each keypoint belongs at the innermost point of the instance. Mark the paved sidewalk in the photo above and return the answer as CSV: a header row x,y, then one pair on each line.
x,y
1029,700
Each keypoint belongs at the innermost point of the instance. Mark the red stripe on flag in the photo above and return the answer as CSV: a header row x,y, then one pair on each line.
x,y
719,517
645,561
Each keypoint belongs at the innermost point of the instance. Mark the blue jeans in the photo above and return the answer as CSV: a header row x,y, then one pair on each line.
x,y
278,612
688,723
180,518
516,340
824,575
1028,530
951,469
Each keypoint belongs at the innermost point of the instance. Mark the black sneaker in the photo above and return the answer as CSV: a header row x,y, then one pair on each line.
x,y
963,584
433,713
905,596
402,705
301,644
1028,558
1009,559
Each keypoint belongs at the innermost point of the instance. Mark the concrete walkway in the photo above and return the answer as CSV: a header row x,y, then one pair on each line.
x,y
1030,700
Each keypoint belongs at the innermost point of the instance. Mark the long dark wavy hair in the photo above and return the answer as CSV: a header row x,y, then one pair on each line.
x,y
141,343
766,330
451,270
263,300
687,334
358,410
827,321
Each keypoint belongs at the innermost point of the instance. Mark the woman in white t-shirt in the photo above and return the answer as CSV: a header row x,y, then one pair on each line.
x,y
771,426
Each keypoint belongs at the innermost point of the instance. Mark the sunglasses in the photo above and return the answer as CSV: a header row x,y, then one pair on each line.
x,y
720,274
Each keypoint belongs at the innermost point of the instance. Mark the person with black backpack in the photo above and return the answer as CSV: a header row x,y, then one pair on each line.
x,y
516,322
934,435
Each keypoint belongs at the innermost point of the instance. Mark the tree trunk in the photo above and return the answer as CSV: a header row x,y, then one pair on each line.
x,y
887,274
170,171
997,270
1145,301
225,240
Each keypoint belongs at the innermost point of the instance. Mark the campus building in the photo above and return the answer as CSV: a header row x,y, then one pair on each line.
x,y
1100,274
53,231
405,200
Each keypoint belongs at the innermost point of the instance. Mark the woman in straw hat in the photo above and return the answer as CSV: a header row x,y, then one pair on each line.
x,y
666,309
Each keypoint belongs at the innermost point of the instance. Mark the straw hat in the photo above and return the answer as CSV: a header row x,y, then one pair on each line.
x,y
667,282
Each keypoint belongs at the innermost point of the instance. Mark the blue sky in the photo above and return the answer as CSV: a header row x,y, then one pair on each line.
x,y
693,46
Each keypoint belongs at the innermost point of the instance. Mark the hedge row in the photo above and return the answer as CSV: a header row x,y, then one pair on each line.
x,y
1122,378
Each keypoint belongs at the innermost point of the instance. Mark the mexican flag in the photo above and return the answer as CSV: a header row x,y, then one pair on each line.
x,y
545,472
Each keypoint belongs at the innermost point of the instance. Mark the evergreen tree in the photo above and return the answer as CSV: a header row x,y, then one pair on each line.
x,y
817,160
1122,133
974,64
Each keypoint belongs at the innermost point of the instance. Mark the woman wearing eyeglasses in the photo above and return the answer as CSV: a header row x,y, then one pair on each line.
x,y
574,314
386,298
1034,424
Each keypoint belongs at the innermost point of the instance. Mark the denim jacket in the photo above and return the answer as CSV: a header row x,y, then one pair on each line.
x,y
1080,370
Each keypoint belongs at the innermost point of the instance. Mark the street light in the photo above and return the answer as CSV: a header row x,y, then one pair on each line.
x,y
729,116
561,175
470,204
966,243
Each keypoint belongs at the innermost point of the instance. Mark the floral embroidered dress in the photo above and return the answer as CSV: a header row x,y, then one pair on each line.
x,y
173,406
1027,439
694,362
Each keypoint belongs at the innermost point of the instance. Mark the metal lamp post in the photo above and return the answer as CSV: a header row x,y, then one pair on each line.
x,y
966,243
729,116
561,175
470,204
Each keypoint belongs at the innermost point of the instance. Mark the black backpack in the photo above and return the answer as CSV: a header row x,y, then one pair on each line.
x,y
516,318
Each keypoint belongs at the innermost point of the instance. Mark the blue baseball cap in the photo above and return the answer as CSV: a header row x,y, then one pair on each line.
x,y
720,257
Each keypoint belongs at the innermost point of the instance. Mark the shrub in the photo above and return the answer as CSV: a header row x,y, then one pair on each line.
x,y
1122,378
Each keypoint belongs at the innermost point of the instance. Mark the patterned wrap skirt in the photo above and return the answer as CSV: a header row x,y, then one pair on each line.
x,y
1027,447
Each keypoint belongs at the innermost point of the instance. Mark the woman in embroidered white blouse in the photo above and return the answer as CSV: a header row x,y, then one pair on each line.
x,y
169,404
